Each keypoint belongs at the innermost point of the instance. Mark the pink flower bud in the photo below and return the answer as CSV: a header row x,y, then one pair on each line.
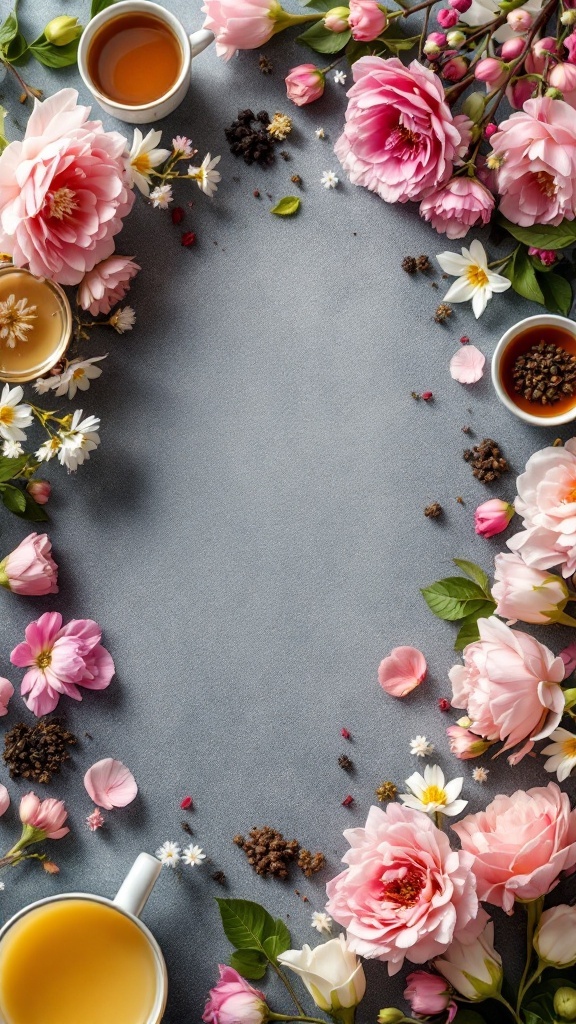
x,y
519,20
548,257
492,517
47,816
460,5
544,46
438,38
367,20
455,69
40,490
234,1001
490,130
6,693
513,48
30,568
428,994
563,77
432,50
447,17
465,744
304,84
570,44
337,19
489,70
520,90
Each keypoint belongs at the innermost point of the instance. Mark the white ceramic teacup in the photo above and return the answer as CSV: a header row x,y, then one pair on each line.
x,y
542,320
129,901
164,105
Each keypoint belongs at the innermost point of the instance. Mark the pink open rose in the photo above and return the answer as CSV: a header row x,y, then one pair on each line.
x,y
547,503
400,138
63,191
406,893
457,206
107,284
367,20
520,844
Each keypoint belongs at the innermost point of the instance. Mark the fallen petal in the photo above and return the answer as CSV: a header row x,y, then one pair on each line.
x,y
402,671
110,784
4,799
467,364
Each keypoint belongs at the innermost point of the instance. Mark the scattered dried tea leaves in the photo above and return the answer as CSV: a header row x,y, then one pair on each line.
x,y
433,511
487,461
346,763
37,752
545,374
248,138
310,863
269,853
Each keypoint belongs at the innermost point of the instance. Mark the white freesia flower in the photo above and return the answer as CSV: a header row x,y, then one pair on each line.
x,y
78,440
205,175
77,376
474,280
332,974
430,793
13,416
475,969
144,156
562,751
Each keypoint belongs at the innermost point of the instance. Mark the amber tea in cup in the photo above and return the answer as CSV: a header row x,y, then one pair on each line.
x,y
538,370
134,59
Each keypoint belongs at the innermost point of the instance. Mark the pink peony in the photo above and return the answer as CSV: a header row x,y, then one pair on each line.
x,y
531,595
520,844
240,24
6,694
492,517
402,671
63,191
234,1001
61,659
40,490
47,816
367,20
547,502
406,893
536,148
110,784
30,568
400,139
429,995
509,686
457,206
305,84
107,284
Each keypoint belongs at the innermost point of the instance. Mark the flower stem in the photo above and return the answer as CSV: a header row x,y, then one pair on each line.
x,y
533,910
290,1016
289,988
28,90
500,998
419,7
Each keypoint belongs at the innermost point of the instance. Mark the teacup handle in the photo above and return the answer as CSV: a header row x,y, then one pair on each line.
x,y
138,884
200,40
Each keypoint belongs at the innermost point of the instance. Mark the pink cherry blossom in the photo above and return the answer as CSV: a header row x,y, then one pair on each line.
x,y
48,816
467,364
6,693
492,517
60,659
547,503
110,784
4,800
367,20
30,568
239,24
107,284
400,138
64,191
402,671
305,84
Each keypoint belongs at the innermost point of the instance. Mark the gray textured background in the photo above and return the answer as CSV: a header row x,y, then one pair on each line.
x,y
251,533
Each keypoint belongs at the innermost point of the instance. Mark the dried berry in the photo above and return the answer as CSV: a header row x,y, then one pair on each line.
x,y
348,801
427,396
256,193
188,239
409,264
346,734
187,803
464,340
442,313
433,510
487,461
268,852
345,763
265,64
177,215
309,863
386,791
297,180
444,704
423,264
37,752
219,877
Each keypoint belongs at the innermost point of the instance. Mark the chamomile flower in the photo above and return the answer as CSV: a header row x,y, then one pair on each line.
x,y
193,855
168,854
44,384
205,175
480,775
329,179
78,440
474,280
563,753
161,196
12,449
77,376
322,922
13,416
144,157
420,747
123,319
16,319
49,449
430,792
340,77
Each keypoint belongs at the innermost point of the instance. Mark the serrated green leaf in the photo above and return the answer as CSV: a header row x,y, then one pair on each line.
x,y
557,293
321,40
53,56
248,926
14,499
249,963
8,29
286,207
454,598
10,468
474,572
523,277
543,236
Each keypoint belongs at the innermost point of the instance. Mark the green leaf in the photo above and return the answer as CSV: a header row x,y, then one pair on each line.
x,y
543,236
248,926
557,293
34,512
14,499
278,942
523,276
322,40
475,573
287,206
9,468
468,632
54,56
17,49
510,5
454,598
249,963
8,29
397,44
356,50
101,5
323,5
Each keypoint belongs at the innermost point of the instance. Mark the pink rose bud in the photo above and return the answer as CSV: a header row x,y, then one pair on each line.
x,y
428,994
489,70
520,90
43,816
447,17
367,20
465,744
547,257
570,44
304,84
460,5
40,490
519,20
527,594
455,69
513,48
438,38
30,568
234,1001
244,24
6,692
492,517
555,938
542,47
336,20
490,130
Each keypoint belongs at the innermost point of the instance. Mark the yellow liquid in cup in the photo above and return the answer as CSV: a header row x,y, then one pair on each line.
x,y
44,341
76,962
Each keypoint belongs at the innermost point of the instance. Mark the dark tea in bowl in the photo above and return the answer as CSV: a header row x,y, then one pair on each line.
x,y
534,370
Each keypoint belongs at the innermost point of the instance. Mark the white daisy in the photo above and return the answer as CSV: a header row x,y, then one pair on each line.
x,y
205,175
168,854
16,319
78,440
183,146
320,133
321,922
77,376
563,751
12,449
480,775
340,78
144,156
421,747
193,855
161,196
474,280
13,416
123,319
430,793
329,179
49,449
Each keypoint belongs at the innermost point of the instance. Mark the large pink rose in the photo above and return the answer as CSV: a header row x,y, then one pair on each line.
x,y
509,685
537,174
63,191
106,284
406,893
460,204
520,844
400,138
547,502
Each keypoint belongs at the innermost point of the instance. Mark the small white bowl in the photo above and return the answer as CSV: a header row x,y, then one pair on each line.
x,y
543,320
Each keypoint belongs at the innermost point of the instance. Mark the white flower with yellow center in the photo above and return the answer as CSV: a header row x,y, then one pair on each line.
x,y
168,854
205,175
123,320
144,157
12,449
430,792
16,319
474,280
161,196
193,855
77,376
78,440
563,753
13,416
49,449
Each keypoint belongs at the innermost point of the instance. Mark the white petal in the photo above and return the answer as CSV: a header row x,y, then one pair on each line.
x,y
460,291
498,283
453,789
478,254
480,301
456,808
452,263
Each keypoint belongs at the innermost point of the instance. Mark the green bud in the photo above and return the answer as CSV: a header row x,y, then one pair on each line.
x,y
474,106
455,39
570,697
63,30
565,1003
554,94
336,20
390,1016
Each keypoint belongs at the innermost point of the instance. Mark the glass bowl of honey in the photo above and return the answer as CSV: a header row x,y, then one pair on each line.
x,y
534,370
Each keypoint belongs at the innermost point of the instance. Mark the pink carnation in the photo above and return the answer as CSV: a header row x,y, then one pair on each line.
x,y
107,284
509,686
537,174
367,20
400,138
406,893
63,191
460,204
547,503
240,24
520,844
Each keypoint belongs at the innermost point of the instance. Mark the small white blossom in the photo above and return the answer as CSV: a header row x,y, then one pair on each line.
x,y
12,449
480,774
320,133
205,175
430,793
193,855
49,449
421,747
474,280
321,922
329,179
16,319
144,156
340,78
78,440
168,854
161,196
77,376
563,753
2,886
44,384
123,319
13,416
183,146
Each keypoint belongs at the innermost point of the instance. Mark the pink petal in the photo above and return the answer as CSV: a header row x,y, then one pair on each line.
x,y
4,800
110,784
568,656
402,671
467,364
6,692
